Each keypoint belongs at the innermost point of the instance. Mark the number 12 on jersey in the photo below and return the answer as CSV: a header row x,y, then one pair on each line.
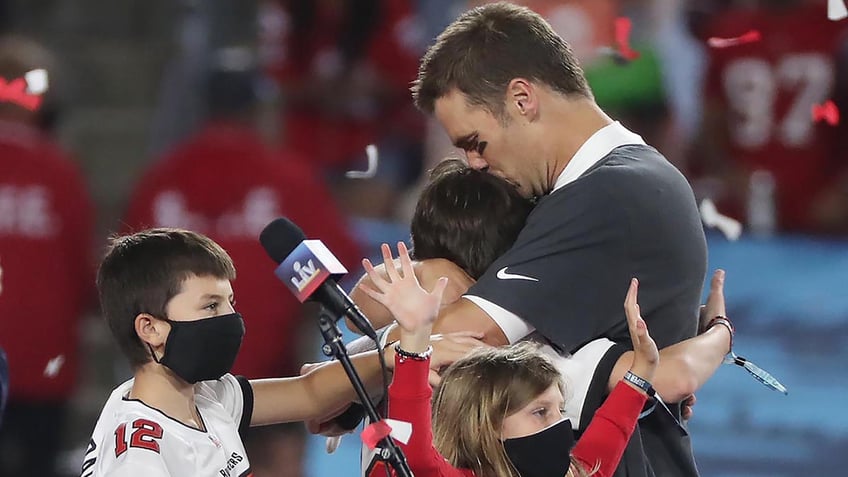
x,y
143,436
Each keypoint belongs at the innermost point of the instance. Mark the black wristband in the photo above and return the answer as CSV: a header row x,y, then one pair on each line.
x,y
640,383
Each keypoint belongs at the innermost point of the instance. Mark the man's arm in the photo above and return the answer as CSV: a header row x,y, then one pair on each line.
x,y
684,367
463,315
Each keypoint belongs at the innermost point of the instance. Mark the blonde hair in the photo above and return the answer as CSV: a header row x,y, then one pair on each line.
x,y
475,396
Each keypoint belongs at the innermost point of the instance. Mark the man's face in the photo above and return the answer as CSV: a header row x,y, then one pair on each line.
x,y
487,143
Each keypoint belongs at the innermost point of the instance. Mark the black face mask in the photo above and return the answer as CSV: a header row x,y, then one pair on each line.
x,y
543,454
203,350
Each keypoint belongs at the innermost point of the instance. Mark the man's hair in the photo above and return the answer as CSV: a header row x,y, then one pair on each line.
x,y
477,393
489,46
141,272
467,216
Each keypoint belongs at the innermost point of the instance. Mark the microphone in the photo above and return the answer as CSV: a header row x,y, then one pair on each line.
x,y
310,270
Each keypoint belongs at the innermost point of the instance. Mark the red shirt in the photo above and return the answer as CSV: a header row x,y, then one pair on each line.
x,y
45,251
225,183
333,122
767,90
409,400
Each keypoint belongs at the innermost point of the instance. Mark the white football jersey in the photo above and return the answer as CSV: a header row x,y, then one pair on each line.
x,y
134,439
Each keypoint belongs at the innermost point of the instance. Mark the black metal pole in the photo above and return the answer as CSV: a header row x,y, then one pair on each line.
x,y
334,346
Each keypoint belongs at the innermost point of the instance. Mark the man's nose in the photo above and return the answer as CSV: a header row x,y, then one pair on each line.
x,y
475,161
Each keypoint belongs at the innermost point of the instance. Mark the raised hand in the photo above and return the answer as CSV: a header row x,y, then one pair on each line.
x,y
715,301
646,356
414,308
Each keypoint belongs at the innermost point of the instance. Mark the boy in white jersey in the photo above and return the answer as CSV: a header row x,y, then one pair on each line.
x,y
167,298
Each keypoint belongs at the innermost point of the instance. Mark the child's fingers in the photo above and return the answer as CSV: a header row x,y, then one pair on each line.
x,y
379,297
405,261
631,306
374,275
643,341
389,263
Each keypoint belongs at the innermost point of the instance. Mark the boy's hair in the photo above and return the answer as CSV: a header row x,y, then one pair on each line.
x,y
141,272
477,393
467,216
489,46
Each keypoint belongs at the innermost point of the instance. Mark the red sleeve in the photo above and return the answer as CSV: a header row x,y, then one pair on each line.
x,y
606,437
409,400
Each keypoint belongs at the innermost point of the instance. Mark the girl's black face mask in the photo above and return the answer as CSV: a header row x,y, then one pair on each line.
x,y
202,350
546,453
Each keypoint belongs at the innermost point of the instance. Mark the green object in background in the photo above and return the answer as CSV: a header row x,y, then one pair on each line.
x,y
634,85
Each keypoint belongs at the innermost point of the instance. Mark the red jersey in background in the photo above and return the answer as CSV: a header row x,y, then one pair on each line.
x,y
767,90
46,225
224,183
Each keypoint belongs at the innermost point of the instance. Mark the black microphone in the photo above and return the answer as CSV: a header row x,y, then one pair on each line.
x,y
310,270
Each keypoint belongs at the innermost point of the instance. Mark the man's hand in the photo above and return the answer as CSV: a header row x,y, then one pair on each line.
x,y
715,302
687,407
449,348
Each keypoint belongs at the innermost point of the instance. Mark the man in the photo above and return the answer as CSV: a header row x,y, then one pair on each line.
x,y
509,92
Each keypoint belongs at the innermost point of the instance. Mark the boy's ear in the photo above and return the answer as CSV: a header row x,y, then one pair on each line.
x,y
150,330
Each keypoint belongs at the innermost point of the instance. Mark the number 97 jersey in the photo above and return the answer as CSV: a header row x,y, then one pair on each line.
x,y
133,439
765,92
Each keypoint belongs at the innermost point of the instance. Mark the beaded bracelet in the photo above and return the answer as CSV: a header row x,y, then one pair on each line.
x,y
404,355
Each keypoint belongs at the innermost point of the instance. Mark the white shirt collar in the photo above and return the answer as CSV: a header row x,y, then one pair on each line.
x,y
594,149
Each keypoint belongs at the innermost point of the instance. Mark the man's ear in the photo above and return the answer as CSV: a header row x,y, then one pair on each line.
x,y
522,98
150,330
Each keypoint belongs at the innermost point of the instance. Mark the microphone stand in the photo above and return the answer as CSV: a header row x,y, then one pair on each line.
x,y
334,346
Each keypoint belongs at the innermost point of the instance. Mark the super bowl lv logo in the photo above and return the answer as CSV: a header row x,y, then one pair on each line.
x,y
304,274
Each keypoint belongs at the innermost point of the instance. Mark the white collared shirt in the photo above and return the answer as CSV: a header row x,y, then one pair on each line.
x,y
594,149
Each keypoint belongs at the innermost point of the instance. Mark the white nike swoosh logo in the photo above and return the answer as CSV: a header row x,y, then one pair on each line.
x,y
503,275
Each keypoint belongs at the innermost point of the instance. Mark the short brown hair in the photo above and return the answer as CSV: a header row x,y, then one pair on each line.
x,y
141,272
467,216
486,48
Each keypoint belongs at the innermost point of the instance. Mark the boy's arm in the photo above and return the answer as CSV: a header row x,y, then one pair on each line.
x,y
316,394
326,390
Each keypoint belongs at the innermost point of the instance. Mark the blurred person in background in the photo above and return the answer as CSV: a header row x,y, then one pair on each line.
x,y
761,156
225,183
46,241
344,70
